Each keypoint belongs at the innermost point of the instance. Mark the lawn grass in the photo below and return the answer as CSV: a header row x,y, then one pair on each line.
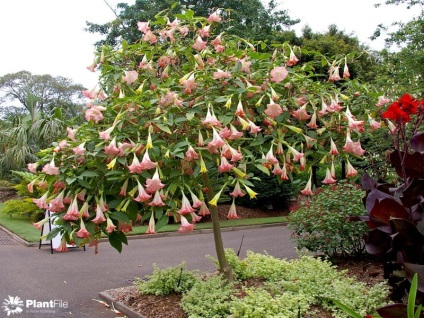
x,y
19,225
22,227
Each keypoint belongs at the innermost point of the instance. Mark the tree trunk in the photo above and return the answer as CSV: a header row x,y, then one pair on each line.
x,y
224,267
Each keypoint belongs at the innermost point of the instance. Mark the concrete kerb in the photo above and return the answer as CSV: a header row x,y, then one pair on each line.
x,y
119,306
144,236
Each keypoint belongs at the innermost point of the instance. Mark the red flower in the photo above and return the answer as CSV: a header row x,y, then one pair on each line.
x,y
402,109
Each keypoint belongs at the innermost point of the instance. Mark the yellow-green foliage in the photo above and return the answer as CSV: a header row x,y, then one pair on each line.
x,y
5,184
23,207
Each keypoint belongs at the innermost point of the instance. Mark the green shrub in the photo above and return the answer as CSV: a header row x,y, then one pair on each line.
x,y
23,207
320,224
214,293
167,281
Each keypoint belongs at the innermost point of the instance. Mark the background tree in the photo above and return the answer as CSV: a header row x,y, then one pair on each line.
x,y
249,19
43,93
403,58
37,108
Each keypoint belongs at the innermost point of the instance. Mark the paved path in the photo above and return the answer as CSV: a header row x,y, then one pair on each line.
x,y
78,276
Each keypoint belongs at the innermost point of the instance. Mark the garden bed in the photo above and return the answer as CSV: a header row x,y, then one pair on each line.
x,y
368,271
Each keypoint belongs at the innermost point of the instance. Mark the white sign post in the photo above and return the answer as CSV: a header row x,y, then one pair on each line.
x,y
46,229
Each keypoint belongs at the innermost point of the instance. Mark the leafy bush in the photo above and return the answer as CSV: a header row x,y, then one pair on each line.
x,y
320,224
167,281
23,207
214,292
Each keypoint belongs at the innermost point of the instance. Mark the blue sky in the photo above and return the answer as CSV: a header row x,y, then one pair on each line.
x,y
48,37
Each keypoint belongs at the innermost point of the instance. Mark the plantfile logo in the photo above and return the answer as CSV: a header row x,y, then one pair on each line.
x,y
13,305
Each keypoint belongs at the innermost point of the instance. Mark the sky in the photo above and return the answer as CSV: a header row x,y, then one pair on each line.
x,y
48,37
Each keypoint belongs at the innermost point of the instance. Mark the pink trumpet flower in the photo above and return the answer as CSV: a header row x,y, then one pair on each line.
x,y
130,77
110,227
51,169
352,147
185,225
284,175
194,217
135,165
111,149
199,45
71,133
237,191
216,142
308,188
313,123
197,203
99,218
225,166
232,213
151,229
273,110
146,163
270,156
72,214
278,74
157,200
301,113
186,207
56,205
191,154
211,119
350,171
143,196
39,225
154,184
333,148
80,149
214,17
105,135
292,59
82,232
204,210
63,246
32,167
328,178
42,202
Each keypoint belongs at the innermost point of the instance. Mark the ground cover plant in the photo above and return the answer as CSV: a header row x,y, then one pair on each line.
x,y
266,286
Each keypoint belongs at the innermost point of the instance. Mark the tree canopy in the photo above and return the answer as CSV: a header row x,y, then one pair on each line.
x,y
249,19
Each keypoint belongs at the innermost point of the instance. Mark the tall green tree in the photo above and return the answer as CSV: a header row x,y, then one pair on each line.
x,y
403,58
43,93
41,107
246,18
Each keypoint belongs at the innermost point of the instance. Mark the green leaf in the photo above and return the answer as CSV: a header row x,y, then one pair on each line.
x,y
53,233
116,238
70,180
346,309
412,296
263,169
164,128
89,174
85,184
162,222
120,216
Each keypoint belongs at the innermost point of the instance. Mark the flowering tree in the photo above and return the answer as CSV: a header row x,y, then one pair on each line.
x,y
182,117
